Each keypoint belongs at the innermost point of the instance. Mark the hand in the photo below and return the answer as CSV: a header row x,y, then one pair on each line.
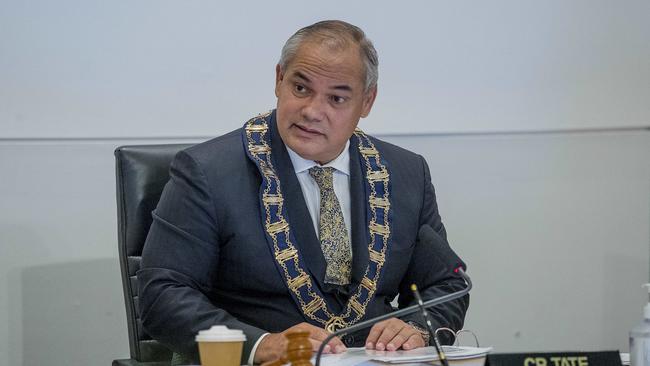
x,y
391,334
274,345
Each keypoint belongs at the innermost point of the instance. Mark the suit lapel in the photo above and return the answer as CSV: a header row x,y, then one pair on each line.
x,y
358,215
299,218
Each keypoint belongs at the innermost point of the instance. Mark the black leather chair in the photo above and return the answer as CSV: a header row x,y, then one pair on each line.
x,y
142,172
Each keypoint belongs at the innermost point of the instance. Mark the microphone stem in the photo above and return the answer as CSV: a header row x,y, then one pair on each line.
x,y
395,314
432,333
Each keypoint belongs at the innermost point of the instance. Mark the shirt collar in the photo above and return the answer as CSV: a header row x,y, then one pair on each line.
x,y
341,163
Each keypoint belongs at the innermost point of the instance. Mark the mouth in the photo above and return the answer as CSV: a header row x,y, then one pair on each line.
x,y
307,130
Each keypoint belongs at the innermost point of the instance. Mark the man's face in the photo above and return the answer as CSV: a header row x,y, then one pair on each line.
x,y
320,100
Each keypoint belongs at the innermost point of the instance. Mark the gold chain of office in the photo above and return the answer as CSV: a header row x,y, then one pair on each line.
x,y
286,254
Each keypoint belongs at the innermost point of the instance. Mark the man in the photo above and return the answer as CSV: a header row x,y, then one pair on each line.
x,y
297,221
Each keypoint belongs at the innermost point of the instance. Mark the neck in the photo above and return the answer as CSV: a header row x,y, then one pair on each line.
x,y
323,162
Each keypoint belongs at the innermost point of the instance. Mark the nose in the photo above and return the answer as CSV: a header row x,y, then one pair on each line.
x,y
314,109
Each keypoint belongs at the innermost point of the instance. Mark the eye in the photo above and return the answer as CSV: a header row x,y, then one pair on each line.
x,y
338,99
300,89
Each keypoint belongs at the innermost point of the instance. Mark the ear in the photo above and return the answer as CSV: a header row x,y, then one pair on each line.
x,y
368,101
278,79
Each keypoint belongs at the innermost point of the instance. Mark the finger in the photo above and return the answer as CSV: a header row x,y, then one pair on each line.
x,y
374,334
415,341
317,333
387,335
314,331
316,345
400,338
321,334
335,344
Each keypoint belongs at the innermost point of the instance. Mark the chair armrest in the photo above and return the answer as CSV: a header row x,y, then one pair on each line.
x,y
132,362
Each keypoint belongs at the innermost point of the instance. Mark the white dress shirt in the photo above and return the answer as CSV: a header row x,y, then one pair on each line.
x,y
311,192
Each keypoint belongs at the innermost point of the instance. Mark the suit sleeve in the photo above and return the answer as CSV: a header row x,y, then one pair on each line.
x,y
431,275
179,262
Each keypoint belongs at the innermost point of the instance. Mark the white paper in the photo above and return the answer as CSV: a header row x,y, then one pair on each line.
x,y
361,357
429,354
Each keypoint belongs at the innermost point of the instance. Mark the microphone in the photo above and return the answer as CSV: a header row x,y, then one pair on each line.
x,y
447,255
426,236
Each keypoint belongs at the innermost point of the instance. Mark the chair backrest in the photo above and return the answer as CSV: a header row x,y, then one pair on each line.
x,y
142,172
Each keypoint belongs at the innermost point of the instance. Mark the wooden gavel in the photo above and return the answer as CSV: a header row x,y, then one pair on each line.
x,y
298,352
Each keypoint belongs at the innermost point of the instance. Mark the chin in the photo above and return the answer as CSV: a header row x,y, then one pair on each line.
x,y
306,154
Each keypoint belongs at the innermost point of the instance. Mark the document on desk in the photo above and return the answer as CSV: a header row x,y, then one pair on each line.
x,y
363,357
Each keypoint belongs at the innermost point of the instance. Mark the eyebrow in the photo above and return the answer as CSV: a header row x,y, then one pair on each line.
x,y
337,87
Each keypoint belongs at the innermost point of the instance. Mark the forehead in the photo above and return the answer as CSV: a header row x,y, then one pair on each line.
x,y
322,62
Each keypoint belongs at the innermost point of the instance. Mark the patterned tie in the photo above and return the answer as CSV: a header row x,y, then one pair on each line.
x,y
334,240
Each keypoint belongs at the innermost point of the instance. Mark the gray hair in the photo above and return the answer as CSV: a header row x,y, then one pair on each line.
x,y
335,34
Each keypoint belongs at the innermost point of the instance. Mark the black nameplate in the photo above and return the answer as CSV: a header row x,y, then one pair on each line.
x,y
604,358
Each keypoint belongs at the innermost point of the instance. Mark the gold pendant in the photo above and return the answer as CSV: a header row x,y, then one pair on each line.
x,y
335,323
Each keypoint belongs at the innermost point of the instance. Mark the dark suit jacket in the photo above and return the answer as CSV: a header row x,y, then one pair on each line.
x,y
206,260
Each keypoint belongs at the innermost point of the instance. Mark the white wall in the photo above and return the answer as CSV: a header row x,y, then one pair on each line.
x,y
147,68
555,229
555,225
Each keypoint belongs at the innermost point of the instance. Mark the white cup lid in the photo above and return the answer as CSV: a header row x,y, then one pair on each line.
x,y
220,333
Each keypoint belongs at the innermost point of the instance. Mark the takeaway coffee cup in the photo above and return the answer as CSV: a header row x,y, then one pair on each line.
x,y
220,346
